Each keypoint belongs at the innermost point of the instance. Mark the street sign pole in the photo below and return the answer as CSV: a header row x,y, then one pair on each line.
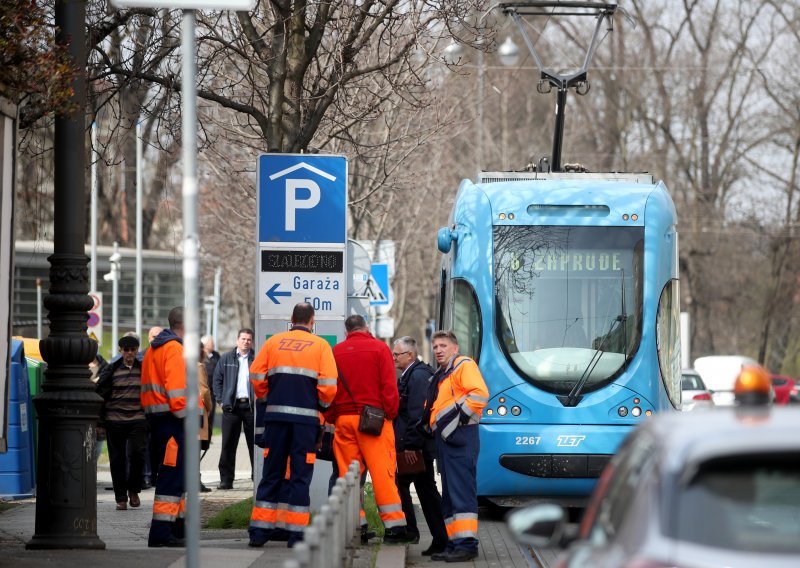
x,y
191,315
301,255
191,245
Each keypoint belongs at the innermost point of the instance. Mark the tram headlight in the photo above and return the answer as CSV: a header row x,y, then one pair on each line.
x,y
516,410
502,410
622,411
636,411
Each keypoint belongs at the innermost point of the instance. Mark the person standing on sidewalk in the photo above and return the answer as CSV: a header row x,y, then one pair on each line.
x,y
367,378
120,385
151,460
456,398
233,391
204,393
294,374
413,385
211,359
164,403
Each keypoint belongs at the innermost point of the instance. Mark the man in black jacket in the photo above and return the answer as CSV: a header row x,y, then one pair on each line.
x,y
413,387
234,393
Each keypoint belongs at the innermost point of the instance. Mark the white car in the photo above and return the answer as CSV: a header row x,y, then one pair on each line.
x,y
719,373
694,393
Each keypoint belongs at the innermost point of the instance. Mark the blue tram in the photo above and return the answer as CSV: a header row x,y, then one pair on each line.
x,y
564,287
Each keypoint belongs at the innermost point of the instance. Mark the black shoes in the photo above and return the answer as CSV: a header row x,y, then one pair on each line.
x,y
434,549
204,489
455,556
401,536
256,543
225,486
366,535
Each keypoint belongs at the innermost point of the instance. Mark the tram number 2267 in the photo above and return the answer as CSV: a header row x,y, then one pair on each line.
x,y
528,440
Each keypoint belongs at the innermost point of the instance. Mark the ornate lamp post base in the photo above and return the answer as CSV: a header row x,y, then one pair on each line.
x,y
66,501
68,409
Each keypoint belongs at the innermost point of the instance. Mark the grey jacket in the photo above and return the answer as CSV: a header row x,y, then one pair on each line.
x,y
226,375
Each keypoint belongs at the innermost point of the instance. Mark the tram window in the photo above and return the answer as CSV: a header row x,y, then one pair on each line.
x,y
568,299
466,319
668,340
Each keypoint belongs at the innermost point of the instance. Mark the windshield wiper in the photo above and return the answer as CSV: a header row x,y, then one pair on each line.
x,y
574,397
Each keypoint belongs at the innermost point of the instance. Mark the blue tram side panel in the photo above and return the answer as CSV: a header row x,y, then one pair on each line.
x,y
564,287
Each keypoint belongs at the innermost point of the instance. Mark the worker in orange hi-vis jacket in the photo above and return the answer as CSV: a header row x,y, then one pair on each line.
x,y
294,374
163,397
456,398
367,378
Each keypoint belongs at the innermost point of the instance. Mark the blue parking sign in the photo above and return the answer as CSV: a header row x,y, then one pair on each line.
x,y
302,198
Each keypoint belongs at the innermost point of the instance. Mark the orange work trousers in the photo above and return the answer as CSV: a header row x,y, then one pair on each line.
x,y
377,453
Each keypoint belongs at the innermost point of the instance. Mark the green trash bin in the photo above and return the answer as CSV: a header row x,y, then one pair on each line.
x,y
36,371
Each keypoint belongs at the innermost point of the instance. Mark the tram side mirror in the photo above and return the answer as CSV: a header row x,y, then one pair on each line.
x,y
445,239
539,526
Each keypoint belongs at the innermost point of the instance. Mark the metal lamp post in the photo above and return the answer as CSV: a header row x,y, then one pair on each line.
x,y
68,407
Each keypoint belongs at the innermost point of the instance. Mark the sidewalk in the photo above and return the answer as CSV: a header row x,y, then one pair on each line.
x,y
125,532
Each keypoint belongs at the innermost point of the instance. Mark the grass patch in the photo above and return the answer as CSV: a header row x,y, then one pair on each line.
x,y
6,505
371,510
236,516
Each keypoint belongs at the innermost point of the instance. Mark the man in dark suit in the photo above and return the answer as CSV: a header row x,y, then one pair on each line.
x,y
234,393
413,387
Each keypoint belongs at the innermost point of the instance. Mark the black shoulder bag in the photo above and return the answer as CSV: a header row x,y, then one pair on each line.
x,y
371,417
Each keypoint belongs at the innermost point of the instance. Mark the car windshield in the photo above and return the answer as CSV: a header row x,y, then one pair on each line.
x,y
692,382
559,294
747,503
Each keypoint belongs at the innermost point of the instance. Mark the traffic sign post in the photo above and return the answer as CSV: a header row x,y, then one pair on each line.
x,y
302,242
378,285
301,254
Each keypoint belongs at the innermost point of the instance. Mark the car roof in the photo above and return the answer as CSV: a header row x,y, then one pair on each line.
x,y
686,439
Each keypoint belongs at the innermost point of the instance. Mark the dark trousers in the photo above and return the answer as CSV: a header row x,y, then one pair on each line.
x,y
429,500
126,438
284,502
240,416
458,461
168,502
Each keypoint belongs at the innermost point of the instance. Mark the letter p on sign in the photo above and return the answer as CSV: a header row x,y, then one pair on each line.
x,y
293,202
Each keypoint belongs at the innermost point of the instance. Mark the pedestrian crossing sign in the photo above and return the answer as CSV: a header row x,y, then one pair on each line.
x,y
377,288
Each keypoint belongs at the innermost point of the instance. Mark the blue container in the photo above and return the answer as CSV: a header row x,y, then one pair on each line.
x,y
17,475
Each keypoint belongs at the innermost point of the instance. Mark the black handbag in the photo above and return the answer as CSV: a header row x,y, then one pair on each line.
x,y
371,418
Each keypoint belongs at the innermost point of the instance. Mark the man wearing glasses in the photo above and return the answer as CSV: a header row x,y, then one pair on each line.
x,y
415,377
120,385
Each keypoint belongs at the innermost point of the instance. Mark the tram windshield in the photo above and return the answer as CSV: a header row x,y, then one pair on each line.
x,y
569,302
